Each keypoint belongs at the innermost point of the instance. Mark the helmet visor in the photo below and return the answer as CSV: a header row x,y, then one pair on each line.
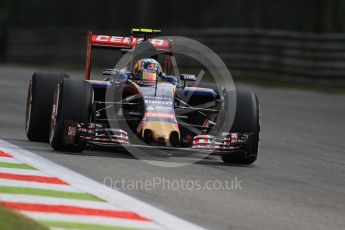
x,y
149,76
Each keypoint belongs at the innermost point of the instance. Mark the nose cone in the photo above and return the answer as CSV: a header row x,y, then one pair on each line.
x,y
161,131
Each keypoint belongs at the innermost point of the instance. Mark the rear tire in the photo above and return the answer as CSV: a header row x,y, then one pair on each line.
x,y
246,121
72,101
39,104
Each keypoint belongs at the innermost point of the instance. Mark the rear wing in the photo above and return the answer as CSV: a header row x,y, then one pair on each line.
x,y
116,42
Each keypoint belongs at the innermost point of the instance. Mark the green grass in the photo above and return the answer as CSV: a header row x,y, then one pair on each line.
x,y
10,220
49,193
82,226
16,166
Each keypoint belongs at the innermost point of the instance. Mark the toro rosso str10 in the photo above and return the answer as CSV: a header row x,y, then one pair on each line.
x,y
148,105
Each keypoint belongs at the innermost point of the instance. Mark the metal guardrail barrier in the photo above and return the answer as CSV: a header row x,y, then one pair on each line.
x,y
246,52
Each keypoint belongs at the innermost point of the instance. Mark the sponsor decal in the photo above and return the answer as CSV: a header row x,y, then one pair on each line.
x,y
127,41
158,98
158,102
159,108
112,39
160,115
163,108
150,108
71,132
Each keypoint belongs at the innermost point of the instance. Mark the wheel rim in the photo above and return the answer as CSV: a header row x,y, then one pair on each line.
x,y
54,113
28,108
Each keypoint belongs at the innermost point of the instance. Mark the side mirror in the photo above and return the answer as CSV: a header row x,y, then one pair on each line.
x,y
116,75
107,72
187,77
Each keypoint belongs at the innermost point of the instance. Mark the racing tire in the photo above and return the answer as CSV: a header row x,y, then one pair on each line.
x,y
72,101
39,104
246,120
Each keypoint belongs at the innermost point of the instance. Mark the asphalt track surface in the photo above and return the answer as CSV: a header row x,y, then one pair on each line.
x,y
298,181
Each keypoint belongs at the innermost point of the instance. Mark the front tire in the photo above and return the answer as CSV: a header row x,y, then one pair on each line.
x,y
246,121
39,104
72,101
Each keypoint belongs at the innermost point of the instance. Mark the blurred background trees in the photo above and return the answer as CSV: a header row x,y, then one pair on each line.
x,y
295,15
267,38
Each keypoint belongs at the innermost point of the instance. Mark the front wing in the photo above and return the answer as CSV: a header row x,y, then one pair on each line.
x,y
94,134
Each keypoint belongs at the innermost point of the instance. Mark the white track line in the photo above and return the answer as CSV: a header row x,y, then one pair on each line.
x,y
28,172
92,220
9,160
38,185
29,184
31,199
85,184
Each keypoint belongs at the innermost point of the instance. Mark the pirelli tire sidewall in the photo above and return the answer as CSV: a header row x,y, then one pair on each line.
x,y
74,98
39,104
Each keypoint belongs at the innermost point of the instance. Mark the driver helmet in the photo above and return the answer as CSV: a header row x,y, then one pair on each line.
x,y
147,70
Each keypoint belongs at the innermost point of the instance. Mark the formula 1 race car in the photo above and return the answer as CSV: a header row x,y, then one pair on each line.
x,y
140,104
